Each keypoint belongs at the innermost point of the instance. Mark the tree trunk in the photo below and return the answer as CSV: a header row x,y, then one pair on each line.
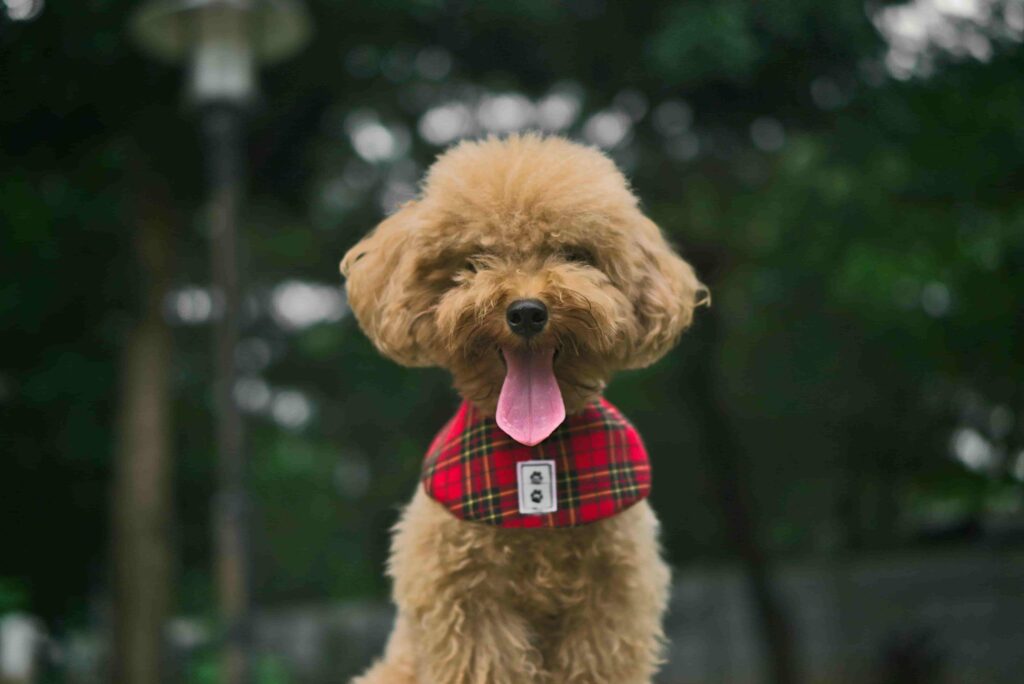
x,y
725,455
142,466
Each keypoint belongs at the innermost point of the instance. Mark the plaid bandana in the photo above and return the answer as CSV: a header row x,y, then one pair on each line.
x,y
592,467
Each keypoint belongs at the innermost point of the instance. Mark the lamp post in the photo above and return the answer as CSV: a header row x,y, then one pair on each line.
x,y
223,42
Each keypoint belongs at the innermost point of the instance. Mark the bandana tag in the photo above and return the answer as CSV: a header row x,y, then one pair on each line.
x,y
536,481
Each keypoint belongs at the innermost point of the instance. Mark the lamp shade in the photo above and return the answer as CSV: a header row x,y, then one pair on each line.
x,y
166,29
223,41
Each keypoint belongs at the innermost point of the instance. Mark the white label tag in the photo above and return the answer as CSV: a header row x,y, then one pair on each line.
x,y
536,487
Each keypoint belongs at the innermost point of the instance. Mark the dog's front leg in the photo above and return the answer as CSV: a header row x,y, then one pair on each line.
x,y
474,641
457,603
613,634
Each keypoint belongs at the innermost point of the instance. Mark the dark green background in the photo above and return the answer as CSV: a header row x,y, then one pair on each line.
x,y
867,270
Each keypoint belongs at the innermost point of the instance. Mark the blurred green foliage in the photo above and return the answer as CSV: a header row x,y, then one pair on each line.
x,y
863,236
12,596
206,670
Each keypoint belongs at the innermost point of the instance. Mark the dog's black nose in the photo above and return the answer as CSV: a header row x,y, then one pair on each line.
x,y
526,317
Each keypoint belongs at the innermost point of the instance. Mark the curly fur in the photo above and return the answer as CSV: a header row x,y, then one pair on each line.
x,y
500,220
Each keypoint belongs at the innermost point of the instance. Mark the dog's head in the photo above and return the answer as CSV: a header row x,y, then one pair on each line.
x,y
528,271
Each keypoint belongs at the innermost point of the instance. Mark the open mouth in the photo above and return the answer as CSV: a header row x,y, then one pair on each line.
x,y
530,405
501,355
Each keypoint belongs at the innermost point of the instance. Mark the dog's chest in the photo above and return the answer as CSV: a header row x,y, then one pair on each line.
x,y
548,572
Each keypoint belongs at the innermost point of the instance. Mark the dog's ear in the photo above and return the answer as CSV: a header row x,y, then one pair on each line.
x,y
665,292
382,291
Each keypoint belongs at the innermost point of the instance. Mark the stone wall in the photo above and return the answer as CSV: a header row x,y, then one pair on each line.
x,y
957,616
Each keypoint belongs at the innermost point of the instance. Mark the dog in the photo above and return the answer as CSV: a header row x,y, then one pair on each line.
x,y
525,268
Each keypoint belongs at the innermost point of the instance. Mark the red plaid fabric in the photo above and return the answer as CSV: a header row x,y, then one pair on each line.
x,y
601,468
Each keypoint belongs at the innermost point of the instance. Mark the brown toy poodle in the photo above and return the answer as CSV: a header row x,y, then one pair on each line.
x,y
529,554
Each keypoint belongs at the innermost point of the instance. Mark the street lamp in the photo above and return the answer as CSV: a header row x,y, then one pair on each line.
x,y
223,42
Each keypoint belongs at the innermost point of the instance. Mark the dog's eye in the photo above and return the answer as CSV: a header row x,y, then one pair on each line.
x,y
578,255
476,261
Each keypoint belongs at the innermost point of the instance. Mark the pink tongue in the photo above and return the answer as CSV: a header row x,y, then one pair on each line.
x,y
530,405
